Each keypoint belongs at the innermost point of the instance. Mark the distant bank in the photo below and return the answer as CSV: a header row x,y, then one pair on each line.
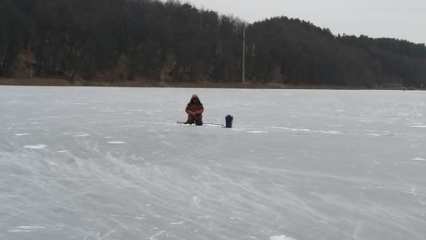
x,y
124,41
176,84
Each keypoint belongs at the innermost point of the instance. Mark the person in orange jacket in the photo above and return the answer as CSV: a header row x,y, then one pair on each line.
x,y
195,110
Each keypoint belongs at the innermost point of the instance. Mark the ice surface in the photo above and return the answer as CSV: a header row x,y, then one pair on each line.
x,y
111,163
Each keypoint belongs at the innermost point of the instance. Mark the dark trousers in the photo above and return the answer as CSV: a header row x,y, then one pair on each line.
x,y
194,119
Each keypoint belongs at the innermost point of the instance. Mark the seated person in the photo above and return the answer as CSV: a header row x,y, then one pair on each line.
x,y
195,110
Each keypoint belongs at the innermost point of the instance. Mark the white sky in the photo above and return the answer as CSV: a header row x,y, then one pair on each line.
x,y
404,19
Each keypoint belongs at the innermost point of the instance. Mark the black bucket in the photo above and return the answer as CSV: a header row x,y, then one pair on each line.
x,y
229,119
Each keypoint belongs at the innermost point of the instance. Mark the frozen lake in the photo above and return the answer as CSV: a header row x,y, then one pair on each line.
x,y
111,163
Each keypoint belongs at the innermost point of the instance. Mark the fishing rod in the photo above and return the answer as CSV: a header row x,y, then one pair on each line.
x,y
205,123
228,119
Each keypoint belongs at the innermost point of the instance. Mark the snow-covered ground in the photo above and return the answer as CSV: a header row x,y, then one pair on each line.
x,y
111,163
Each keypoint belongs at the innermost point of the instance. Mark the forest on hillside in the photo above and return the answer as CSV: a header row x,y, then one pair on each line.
x,y
149,40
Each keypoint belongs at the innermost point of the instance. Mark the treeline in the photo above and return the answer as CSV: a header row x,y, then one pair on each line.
x,y
147,40
297,52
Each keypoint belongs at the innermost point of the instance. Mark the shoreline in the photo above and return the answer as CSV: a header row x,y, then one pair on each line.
x,y
59,82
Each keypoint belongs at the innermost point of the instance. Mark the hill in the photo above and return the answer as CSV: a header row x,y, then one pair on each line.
x,y
116,41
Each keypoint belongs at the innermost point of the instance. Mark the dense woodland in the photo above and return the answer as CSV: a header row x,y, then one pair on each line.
x,y
147,40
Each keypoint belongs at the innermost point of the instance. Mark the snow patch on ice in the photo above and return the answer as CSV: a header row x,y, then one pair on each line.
x,y
281,237
374,134
306,130
418,126
412,191
37,147
378,133
116,142
294,129
177,223
22,134
196,200
52,163
26,229
257,132
331,132
418,159
82,135
153,237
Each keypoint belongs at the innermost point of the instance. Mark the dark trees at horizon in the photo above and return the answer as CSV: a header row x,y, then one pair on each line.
x,y
140,40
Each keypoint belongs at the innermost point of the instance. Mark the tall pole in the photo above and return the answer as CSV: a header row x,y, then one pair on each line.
x,y
243,68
